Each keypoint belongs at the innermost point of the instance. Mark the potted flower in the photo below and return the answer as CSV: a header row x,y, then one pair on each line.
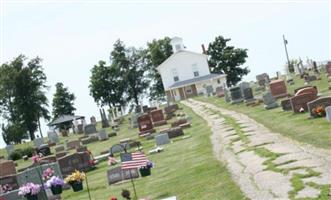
x,y
319,111
35,159
55,183
146,170
29,191
76,180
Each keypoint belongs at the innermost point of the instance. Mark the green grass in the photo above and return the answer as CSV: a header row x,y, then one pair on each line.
x,y
296,126
186,169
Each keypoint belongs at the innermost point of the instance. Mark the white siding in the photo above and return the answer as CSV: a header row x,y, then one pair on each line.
x,y
182,62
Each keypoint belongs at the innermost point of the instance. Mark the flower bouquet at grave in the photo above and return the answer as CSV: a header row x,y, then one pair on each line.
x,y
29,191
319,111
55,184
76,180
48,174
35,159
5,188
146,170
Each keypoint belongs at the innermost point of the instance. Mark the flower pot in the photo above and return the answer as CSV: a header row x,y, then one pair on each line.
x,y
57,189
145,172
77,186
31,197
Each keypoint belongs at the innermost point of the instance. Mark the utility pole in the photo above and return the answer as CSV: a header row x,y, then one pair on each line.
x,y
288,60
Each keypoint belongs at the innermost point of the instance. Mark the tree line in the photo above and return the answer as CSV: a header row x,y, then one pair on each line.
x,y
125,79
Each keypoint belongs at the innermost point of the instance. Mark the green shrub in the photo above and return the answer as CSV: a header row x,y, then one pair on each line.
x,y
28,151
16,154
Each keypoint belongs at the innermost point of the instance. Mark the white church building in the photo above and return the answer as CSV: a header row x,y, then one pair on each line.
x,y
186,74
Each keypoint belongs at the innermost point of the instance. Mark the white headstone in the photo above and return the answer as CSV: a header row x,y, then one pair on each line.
x,y
328,113
102,135
53,137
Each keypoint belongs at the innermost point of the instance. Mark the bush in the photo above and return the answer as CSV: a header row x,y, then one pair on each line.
x,y
16,154
28,151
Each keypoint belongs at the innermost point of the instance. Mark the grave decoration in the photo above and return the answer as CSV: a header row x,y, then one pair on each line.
x,y
29,191
278,89
55,184
317,107
75,180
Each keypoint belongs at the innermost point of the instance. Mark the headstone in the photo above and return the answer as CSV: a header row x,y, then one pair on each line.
x,y
104,120
300,102
60,154
158,118
171,108
73,144
162,139
134,119
220,92
227,96
59,148
173,132
328,113
53,137
248,95
145,109
103,135
269,101
93,120
117,148
278,89
307,90
209,90
236,95
303,87
145,124
7,167
10,180
322,101
178,122
328,69
38,142
10,149
262,79
116,174
44,150
90,129
81,149
76,161
80,128
286,105
312,78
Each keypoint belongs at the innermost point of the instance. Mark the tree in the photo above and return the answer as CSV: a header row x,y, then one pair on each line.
x,y
63,101
22,96
227,59
106,85
134,74
158,52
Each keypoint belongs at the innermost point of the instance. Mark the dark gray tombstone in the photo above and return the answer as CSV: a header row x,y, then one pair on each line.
x,y
248,95
44,150
162,139
90,129
76,161
286,105
322,101
236,95
103,135
104,120
269,101
59,148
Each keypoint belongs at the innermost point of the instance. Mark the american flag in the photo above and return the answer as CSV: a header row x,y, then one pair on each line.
x,y
133,160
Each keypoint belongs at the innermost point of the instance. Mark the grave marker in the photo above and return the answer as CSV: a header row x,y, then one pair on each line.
x,y
38,142
90,129
300,102
278,89
162,139
7,167
236,95
158,118
117,174
323,101
76,161
145,124
73,144
269,101
286,105
328,113
53,137
263,79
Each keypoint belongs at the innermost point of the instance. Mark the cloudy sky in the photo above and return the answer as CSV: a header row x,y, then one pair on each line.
x,y
72,36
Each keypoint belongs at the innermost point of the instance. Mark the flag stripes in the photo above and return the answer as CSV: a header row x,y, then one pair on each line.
x,y
138,159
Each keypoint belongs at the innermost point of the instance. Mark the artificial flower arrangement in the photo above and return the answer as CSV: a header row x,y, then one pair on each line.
x,y
48,173
146,170
319,111
29,191
35,159
76,180
55,184
112,160
5,188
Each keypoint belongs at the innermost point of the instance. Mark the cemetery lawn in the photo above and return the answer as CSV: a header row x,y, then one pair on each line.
x,y
316,132
187,168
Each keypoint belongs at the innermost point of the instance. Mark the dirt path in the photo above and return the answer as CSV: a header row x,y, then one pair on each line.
x,y
264,164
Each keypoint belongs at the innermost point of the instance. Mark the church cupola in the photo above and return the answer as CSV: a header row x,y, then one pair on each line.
x,y
177,44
